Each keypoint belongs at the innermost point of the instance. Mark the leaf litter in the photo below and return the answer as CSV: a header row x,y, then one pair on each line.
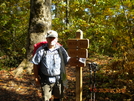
x,y
24,89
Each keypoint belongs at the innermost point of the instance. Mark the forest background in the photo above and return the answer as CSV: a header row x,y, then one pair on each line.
x,y
108,24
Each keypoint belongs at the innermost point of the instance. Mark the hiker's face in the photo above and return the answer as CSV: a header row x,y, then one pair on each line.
x,y
52,40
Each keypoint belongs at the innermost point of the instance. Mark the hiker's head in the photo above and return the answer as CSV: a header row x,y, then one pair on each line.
x,y
52,37
52,33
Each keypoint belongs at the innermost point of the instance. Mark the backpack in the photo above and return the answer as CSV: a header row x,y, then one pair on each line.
x,y
37,45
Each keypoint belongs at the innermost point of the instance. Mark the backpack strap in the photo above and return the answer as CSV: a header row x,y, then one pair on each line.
x,y
45,51
63,56
63,70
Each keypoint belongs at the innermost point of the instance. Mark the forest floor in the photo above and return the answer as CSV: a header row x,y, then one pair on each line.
x,y
24,89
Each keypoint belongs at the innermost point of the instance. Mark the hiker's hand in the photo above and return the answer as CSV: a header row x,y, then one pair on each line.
x,y
37,82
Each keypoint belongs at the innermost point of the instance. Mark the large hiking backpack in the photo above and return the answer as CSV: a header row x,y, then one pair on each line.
x,y
37,45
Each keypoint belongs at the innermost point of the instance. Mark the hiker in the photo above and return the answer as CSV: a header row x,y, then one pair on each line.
x,y
49,62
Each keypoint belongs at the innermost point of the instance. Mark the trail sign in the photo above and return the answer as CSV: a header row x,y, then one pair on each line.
x,y
78,43
82,53
78,53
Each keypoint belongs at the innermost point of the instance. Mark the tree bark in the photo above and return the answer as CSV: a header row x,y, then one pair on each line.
x,y
39,24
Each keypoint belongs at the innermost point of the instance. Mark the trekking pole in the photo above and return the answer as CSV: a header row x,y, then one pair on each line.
x,y
91,81
94,87
93,68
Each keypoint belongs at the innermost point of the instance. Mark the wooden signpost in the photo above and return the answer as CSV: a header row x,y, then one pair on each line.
x,y
78,50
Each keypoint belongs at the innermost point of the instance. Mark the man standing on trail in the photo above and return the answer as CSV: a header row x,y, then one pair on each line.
x,y
50,74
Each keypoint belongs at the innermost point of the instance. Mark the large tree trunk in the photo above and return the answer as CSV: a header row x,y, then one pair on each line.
x,y
39,24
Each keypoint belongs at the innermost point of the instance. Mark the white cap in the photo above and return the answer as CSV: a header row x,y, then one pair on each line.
x,y
52,33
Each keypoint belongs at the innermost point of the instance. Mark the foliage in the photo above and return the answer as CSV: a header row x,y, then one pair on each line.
x,y
108,24
13,33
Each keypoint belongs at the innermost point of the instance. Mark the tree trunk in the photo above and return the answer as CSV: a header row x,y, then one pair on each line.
x,y
39,24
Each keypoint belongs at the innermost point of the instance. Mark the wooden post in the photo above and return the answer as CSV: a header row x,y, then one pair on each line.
x,y
79,35
77,49
78,83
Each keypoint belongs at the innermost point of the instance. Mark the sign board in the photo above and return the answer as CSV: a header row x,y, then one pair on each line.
x,y
78,43
74,61
83,53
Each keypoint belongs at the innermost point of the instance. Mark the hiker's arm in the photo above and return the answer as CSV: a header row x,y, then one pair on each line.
x,y
36,60
36,76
